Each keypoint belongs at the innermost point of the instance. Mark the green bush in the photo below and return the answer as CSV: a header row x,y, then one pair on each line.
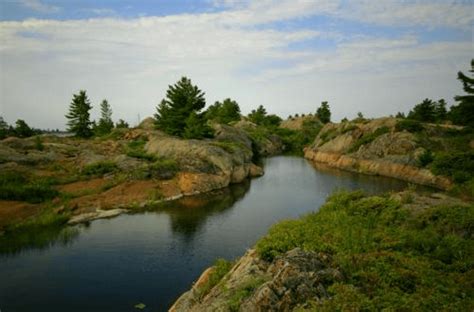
x,y
368,138
99,168
136,149
425,158
409,125
458,165
16,186
391,258
220,268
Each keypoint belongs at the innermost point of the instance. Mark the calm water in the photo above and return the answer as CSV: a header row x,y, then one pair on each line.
x,y
153,256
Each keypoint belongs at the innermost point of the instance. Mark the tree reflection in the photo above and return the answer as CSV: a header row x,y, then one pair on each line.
x,y
190,213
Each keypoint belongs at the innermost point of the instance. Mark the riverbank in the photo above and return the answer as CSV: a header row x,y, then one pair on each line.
x,y
62,178
403,251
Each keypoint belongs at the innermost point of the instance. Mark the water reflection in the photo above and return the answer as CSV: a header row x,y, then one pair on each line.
x,y
36,238
189,214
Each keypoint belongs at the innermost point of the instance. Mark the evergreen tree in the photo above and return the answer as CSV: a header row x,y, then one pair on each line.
x,y
22,130
182,99
79,118
196,127
324,113
224,112
105,124
440,110
3,128
425,111
400,115
258,116
121,124
463,113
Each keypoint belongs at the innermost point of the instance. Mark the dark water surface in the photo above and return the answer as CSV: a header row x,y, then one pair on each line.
x,y
153,256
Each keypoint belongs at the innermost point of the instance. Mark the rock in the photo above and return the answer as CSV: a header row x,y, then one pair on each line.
x,y
98,214
289,280
256,171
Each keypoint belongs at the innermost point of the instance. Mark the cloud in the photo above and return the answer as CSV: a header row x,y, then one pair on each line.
x,y
445,13
227,53
38,6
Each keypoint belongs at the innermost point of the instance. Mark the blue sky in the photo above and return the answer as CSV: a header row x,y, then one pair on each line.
x,y
375,57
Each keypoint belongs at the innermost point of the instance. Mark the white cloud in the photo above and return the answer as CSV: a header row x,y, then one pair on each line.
x,y
37,5
132,61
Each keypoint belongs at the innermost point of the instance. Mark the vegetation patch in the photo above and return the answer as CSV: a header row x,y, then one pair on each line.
x,y
16,186
99,168
368,138
243,292
136,149
220,268
409,125
391,259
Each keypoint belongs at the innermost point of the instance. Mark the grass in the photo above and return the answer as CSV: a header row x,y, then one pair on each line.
x,y
391,258
17,186
220,268
243,292
368,138
99,168
409,125
136,149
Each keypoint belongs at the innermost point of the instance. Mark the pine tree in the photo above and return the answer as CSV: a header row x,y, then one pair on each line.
x,y
3,128
22,130
121,124
463,113
79,118
196,127
440,110
324,113
182,99
258,116
224,112
105,124
425,111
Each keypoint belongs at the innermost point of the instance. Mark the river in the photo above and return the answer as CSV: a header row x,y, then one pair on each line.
x,y
154,255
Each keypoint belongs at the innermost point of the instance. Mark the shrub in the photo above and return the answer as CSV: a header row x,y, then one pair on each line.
x,y
425,158
390,257
136,149
458,165
368,138
220,268
15,186
99,168
409,125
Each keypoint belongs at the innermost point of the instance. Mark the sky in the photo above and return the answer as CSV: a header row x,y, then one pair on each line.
x,y
375,57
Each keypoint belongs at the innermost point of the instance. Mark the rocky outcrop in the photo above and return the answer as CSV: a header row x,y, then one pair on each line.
x,y
379,167
373,147
256,285
208,165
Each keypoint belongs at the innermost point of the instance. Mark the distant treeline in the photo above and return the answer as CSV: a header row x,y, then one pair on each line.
x,y
181,113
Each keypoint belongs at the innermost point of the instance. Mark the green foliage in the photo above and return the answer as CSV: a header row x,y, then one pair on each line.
x,y
180,110
409,125
22,130
391,258
463,113
243,292
121,124
79,117
260,117
425,158
196,127
4,129
368,138
296,140
458,165
164,168
17,186
219,269
99,168
324,113
425,111
224,113
136,149
38,143
105,124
